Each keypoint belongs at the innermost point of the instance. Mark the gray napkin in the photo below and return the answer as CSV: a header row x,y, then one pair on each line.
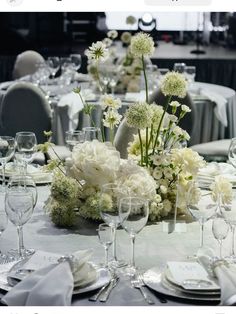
x,y
51,285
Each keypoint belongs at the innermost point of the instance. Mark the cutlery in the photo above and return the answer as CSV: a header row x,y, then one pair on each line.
x,y
136,283
160,298
111,286
96,296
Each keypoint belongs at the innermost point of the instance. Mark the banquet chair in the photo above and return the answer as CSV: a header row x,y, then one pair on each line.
x,y
213,151
26,63
25,108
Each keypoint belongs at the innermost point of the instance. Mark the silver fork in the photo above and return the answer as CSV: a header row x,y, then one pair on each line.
x,y
138,284
160,298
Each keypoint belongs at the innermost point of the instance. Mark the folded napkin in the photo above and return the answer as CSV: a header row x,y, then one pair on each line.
x,y
75,105
135,96
225,273
53,284
220,101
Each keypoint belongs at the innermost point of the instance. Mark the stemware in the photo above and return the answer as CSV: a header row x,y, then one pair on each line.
x,y
190,72
3,224
7,149
26,144
73,138
133,213
76,60
232,152
201,208
220,230
106,238
53,64
92,133
23,183
110,214
179,67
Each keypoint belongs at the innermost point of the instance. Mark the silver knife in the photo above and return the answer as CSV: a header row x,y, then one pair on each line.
x,y
95,297
112,285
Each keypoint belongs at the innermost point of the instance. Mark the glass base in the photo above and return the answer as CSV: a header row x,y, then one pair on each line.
x,y
117,264
25,253
6,258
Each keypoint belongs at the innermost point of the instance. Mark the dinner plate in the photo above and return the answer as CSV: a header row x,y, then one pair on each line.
x,y
156,280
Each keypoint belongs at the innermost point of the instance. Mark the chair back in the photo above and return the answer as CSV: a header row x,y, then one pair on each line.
x,y
25,108
188,122
26,63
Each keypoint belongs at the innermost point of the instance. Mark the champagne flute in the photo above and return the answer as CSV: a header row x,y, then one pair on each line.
x,y
220,230
201,208
106,238
26,144
73,138
7,149
109,211
21,183
133,213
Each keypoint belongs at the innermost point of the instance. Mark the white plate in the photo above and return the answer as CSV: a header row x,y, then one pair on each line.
x,y
155,280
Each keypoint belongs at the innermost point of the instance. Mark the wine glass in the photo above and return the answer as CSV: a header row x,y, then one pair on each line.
x,y
220,230
73,138
3,224
106,238
76,60
109,211
54,65
26,144
190,73
201,207
23,183
92,133
7,149
179,67
133,213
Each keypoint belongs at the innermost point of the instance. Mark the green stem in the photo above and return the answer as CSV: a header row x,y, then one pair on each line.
x,y
98,78
141,146
146,157
145,79
159,126
89,114
111,135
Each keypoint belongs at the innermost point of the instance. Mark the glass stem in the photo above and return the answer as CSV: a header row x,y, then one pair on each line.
x,y
114,244
220,242
20,240
233,240
201,234
3,175
132,256
106,256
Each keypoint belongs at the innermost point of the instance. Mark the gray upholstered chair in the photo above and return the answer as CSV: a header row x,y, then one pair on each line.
x,y
125,134
213,151
26,63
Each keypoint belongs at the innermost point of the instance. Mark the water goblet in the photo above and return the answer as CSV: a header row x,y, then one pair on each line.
x,y
53,64
109,211
92,133
7,149
133,213
220,230
76,60
23,183
3,224
201,208
73,138
26,144
19,205
106,238
190,73
179,67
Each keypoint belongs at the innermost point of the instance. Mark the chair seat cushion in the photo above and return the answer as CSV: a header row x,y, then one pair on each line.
x,y
215,148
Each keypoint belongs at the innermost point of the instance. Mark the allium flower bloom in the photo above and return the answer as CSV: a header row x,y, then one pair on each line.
x,y
126,37
98,51
130,20
174,84
111,118
108,101
112,34
139,115
142,45
157,112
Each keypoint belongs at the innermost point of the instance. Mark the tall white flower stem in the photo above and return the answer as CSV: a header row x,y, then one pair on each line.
x,y
141,147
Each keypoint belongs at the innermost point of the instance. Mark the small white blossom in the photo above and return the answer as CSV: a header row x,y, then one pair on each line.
x,y
107,42
98,51
185,108
111,118
142,45
108,101
112,34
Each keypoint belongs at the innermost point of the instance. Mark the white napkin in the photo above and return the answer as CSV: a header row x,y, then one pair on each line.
x,y
225,273
135,96
51,285
220,101
75,105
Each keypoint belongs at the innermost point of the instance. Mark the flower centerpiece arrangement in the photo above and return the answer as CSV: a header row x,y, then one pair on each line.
x,y
158,166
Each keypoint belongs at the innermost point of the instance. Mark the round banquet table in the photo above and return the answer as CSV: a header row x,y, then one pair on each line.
x,y
154,247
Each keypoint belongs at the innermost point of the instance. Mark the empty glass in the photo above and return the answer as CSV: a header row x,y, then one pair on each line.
x,y
92,133
220,230
202,208
3,224
76,61
133,213
7,149
19,205
26,144
190,73
106,237
179,67
54,65
73,138
109,211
